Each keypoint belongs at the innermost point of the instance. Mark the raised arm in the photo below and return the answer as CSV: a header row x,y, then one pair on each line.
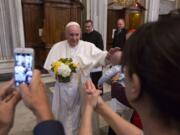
x,y
94,101
35,98
119,125
91,97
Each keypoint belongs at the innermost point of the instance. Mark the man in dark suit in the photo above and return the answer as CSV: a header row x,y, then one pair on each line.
x,y
120,34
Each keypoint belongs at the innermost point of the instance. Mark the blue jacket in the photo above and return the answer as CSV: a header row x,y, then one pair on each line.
x,y
107,76
50,127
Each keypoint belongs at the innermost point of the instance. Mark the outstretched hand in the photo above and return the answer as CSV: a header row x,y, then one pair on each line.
x,y
112,51
113,55
35,98
92,94
9,98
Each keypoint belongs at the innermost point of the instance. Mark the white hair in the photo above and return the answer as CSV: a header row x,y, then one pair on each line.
x,y
72,24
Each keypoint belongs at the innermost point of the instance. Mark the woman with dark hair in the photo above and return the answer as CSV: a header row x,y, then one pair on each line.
x,y
151,62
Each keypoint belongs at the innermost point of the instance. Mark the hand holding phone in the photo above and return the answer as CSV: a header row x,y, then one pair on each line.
x,y
24,65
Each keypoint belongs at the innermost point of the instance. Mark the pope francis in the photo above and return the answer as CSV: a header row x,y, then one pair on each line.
x,y
68,97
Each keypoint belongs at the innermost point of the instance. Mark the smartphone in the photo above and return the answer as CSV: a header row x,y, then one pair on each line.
x,y
24,65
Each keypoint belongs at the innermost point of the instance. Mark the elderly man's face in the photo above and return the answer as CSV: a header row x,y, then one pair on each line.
x,y
73,34
120,24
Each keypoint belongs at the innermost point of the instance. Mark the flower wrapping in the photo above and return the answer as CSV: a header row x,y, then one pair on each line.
x,y
63,69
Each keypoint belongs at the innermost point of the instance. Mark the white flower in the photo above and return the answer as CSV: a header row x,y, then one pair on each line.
x,y
64,70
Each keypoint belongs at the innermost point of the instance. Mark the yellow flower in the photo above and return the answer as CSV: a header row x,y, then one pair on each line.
x,y
55,66
63,69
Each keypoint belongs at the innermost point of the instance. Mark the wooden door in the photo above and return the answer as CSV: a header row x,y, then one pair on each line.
x,y
57,15
44,24
33,14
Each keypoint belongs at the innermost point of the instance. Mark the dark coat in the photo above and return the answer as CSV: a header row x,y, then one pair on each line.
x,y
50,127
95,38
119,38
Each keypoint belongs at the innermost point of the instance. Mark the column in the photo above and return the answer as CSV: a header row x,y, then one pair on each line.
x,y
153,10
5,37
12,33
17,23
11,25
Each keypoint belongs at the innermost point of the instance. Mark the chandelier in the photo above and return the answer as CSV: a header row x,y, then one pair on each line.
x,y
124,3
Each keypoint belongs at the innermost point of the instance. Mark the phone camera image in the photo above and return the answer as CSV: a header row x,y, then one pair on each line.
x,y
23,68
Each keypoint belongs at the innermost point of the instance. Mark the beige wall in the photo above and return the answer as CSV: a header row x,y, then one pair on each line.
x,y
178,3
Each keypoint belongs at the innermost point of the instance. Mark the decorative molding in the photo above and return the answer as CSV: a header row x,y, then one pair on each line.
x,y
6,66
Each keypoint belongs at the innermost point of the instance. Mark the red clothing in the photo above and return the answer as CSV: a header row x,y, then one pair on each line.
x,y
136,120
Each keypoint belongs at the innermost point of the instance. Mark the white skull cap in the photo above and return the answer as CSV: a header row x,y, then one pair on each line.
x,y
72,24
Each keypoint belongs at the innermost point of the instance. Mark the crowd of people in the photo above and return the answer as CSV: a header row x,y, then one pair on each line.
x,y
150,64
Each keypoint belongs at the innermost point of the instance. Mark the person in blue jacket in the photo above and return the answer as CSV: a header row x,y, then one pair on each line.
x,y
109,74
35,98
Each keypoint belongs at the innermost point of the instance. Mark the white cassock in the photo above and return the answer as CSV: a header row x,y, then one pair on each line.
x,y
68,97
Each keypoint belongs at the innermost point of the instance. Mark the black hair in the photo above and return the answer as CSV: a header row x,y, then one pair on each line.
x,y
89,21
153,53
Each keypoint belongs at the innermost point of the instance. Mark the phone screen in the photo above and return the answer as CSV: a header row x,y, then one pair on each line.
x,y
23,68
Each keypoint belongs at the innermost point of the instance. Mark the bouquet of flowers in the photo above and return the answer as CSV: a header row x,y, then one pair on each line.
x,y
63,69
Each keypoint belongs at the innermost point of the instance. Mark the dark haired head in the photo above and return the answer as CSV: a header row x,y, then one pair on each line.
x,y
89,21
153,53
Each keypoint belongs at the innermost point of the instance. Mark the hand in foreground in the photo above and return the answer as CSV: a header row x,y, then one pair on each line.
x,y
9,98
35,98
92,94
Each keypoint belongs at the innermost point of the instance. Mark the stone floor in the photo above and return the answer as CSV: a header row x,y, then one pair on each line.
x,y
25,121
